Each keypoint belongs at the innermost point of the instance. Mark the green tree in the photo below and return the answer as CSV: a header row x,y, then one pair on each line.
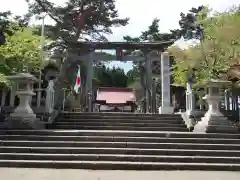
x,y
78,19
152,34
21,49
217,51
111,77
132,75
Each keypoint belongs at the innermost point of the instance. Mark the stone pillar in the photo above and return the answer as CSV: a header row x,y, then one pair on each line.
x,y
213,120
3,99
190,100
226,100
39,96
50,76
148,68
64,98
50,92
191,111
89,80
154,106
201,101
166,107
23,116
12,95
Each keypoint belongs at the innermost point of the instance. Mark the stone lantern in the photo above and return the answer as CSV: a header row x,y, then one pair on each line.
x,y
213,120
23,116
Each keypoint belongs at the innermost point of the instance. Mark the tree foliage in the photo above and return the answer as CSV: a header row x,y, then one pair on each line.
x,y
219,49
111,77
101,16
77,19
152,34
21,49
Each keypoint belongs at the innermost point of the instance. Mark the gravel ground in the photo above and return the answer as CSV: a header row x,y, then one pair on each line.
x,y
66,174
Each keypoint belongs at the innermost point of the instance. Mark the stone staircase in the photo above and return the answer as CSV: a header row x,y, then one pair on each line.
x,y
120,121
111,141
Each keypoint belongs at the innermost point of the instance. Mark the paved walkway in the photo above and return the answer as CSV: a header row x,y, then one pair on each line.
x,y
55,174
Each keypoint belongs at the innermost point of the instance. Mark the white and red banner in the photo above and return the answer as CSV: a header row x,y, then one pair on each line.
x,y
78,81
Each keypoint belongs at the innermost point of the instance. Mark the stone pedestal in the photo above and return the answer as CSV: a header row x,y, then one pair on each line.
x,y
213,120
166,107
166,110
23,116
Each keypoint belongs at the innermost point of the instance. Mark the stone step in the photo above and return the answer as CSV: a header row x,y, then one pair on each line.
x,y
113,150
119,157
170,121
115,127
118,114
118,165
78,123
118,117
120,139
145,145
149,134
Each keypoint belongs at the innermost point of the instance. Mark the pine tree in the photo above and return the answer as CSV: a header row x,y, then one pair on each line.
x,y
78,19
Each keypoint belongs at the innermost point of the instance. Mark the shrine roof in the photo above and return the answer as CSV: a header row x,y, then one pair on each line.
x,y
116,95
123,45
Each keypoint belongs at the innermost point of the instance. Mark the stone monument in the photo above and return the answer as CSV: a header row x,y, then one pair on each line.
x,y
213,120
23,116
166,107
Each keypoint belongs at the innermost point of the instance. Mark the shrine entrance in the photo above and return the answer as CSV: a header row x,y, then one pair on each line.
x,y
150,52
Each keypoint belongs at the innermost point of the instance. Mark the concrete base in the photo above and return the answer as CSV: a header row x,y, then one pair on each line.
x,y
215,124
192,117
23,123
166,110
76,174
195,113
189,121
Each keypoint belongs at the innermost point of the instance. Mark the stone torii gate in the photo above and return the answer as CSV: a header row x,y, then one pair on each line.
x,y
148,57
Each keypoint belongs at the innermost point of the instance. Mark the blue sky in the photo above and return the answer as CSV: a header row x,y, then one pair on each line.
x,y
141,14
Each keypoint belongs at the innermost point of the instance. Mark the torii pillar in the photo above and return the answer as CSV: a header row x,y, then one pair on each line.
x,y
89,90
148,72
